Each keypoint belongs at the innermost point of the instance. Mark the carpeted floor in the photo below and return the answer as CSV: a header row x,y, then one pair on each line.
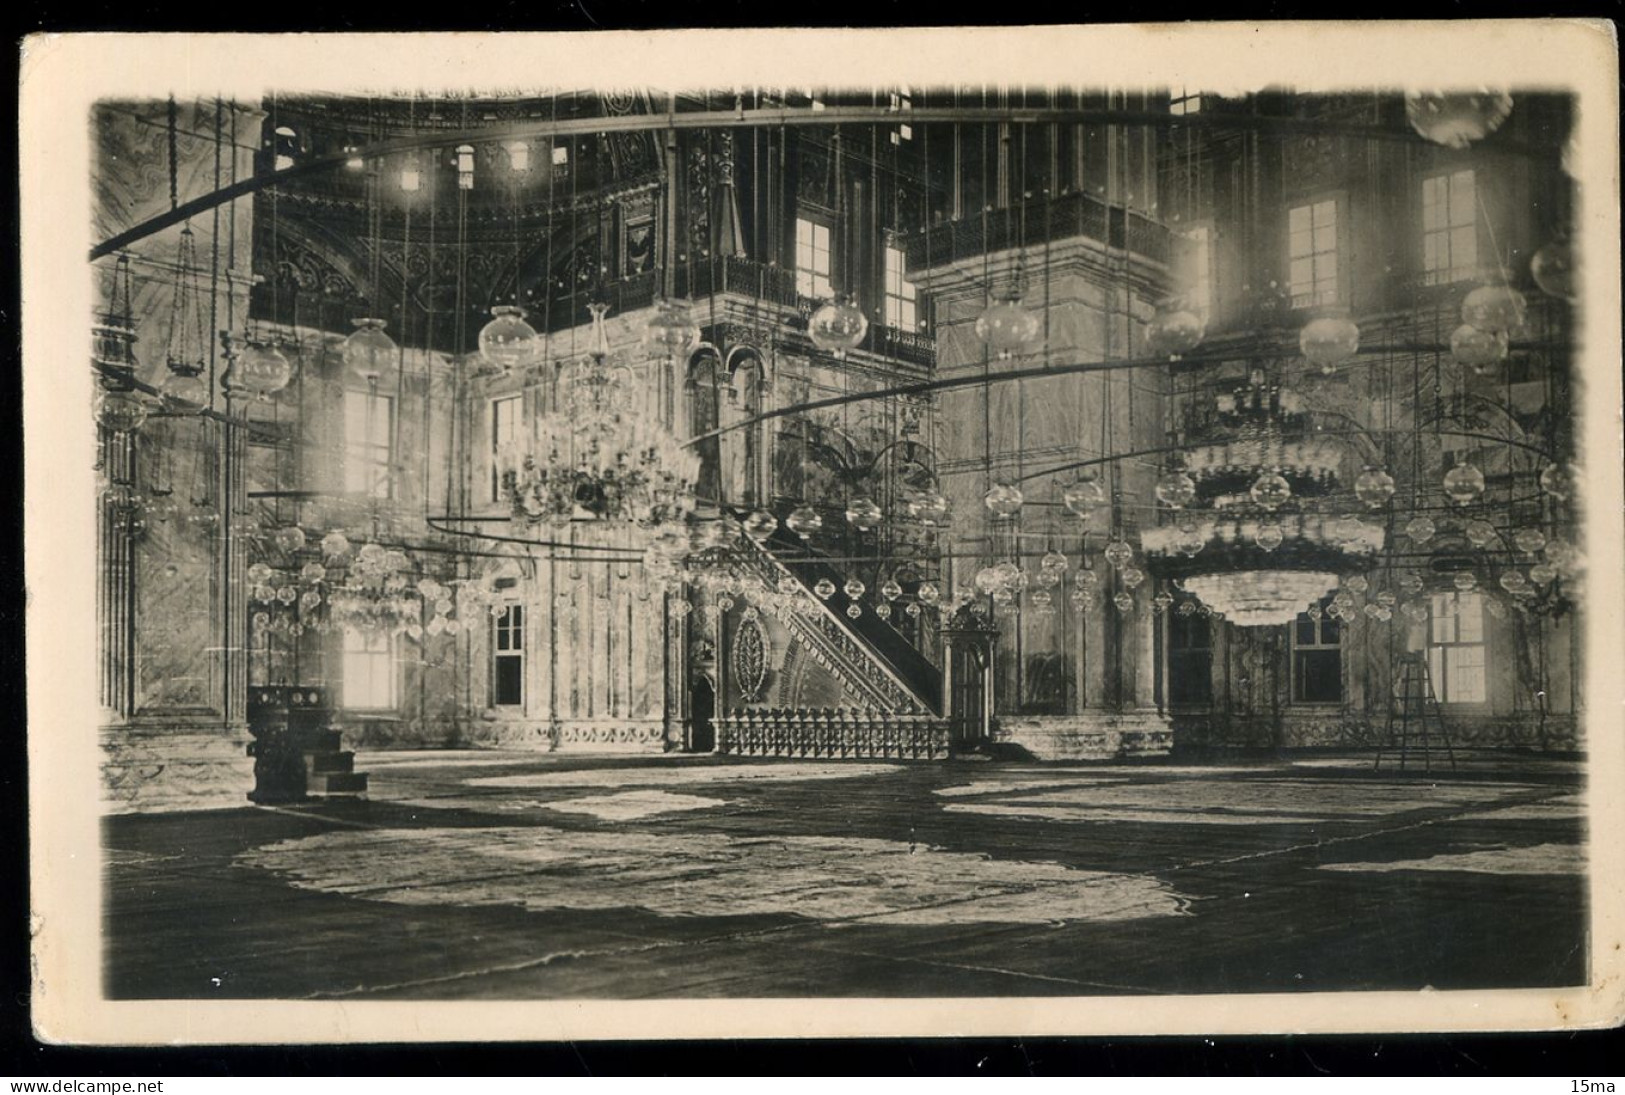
x,y
502,875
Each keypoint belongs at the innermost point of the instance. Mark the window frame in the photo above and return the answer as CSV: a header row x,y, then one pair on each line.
x,y
494,421
349,657
1204,291
364,453
1316,297
511,623
1180,654
1451,273
1440,680
814,279
1319,646
907,296
1184,102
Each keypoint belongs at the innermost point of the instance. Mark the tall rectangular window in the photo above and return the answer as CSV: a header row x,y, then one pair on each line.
x,y
369,425
1185,101
1317,658
900,300
1449,228
1456,661
1198,271
1190,659
504,432
369,669
508,657
813,260
1312,253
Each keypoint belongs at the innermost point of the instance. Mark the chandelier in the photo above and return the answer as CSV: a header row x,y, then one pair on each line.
x,y
601,453
1252,545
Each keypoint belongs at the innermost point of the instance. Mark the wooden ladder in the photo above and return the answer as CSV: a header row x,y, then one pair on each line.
x,y
1416,703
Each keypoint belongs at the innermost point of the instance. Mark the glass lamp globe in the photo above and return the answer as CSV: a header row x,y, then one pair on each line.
x,y
804,521
671,330
1054,561
1477,349
853,588
1466,581
259,573
1542,573
890,590
1046,578
1174,331
1554,270
1270,490
1356,583
184,392
1329,341
825,589
1006,326
928,506
1529,540
1558,480
369,352
1119,554
121,412
988,580
1410,583
1269,537
928,593
1082,599
1009,575
266,370
1086,579
1374,486
1514,582
1190,540
1176,489
1124,602
838,327
1003,500
760,524
312,572
1494,308
1084,497
1420,529
289,539
864,514
1457,119
1479,533
1131,577
508,341
334,544
1463,484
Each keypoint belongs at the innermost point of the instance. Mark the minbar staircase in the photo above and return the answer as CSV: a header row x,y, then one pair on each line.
x,y
297,754
897,692
879,640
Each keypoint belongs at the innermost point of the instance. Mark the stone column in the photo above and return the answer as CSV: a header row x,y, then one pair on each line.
x,y
1093,301
174,626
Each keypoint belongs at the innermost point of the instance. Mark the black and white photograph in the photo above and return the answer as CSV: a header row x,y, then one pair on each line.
x,y
878,532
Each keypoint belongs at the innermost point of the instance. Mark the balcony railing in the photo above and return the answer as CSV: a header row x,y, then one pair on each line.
x,y
1065,217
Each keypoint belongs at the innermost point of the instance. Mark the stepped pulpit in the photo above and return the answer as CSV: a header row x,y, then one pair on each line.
x,y
296,751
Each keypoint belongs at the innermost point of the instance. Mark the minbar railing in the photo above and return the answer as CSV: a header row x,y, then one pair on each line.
x,y
832,734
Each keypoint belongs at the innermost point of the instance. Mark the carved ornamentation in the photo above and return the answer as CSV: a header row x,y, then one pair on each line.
x,y
750,650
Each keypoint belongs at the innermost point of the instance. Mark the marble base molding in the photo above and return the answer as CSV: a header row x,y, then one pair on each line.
x,y
162,769
1102,735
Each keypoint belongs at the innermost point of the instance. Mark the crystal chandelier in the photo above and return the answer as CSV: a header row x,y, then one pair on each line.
x,y
601,454
1250,544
